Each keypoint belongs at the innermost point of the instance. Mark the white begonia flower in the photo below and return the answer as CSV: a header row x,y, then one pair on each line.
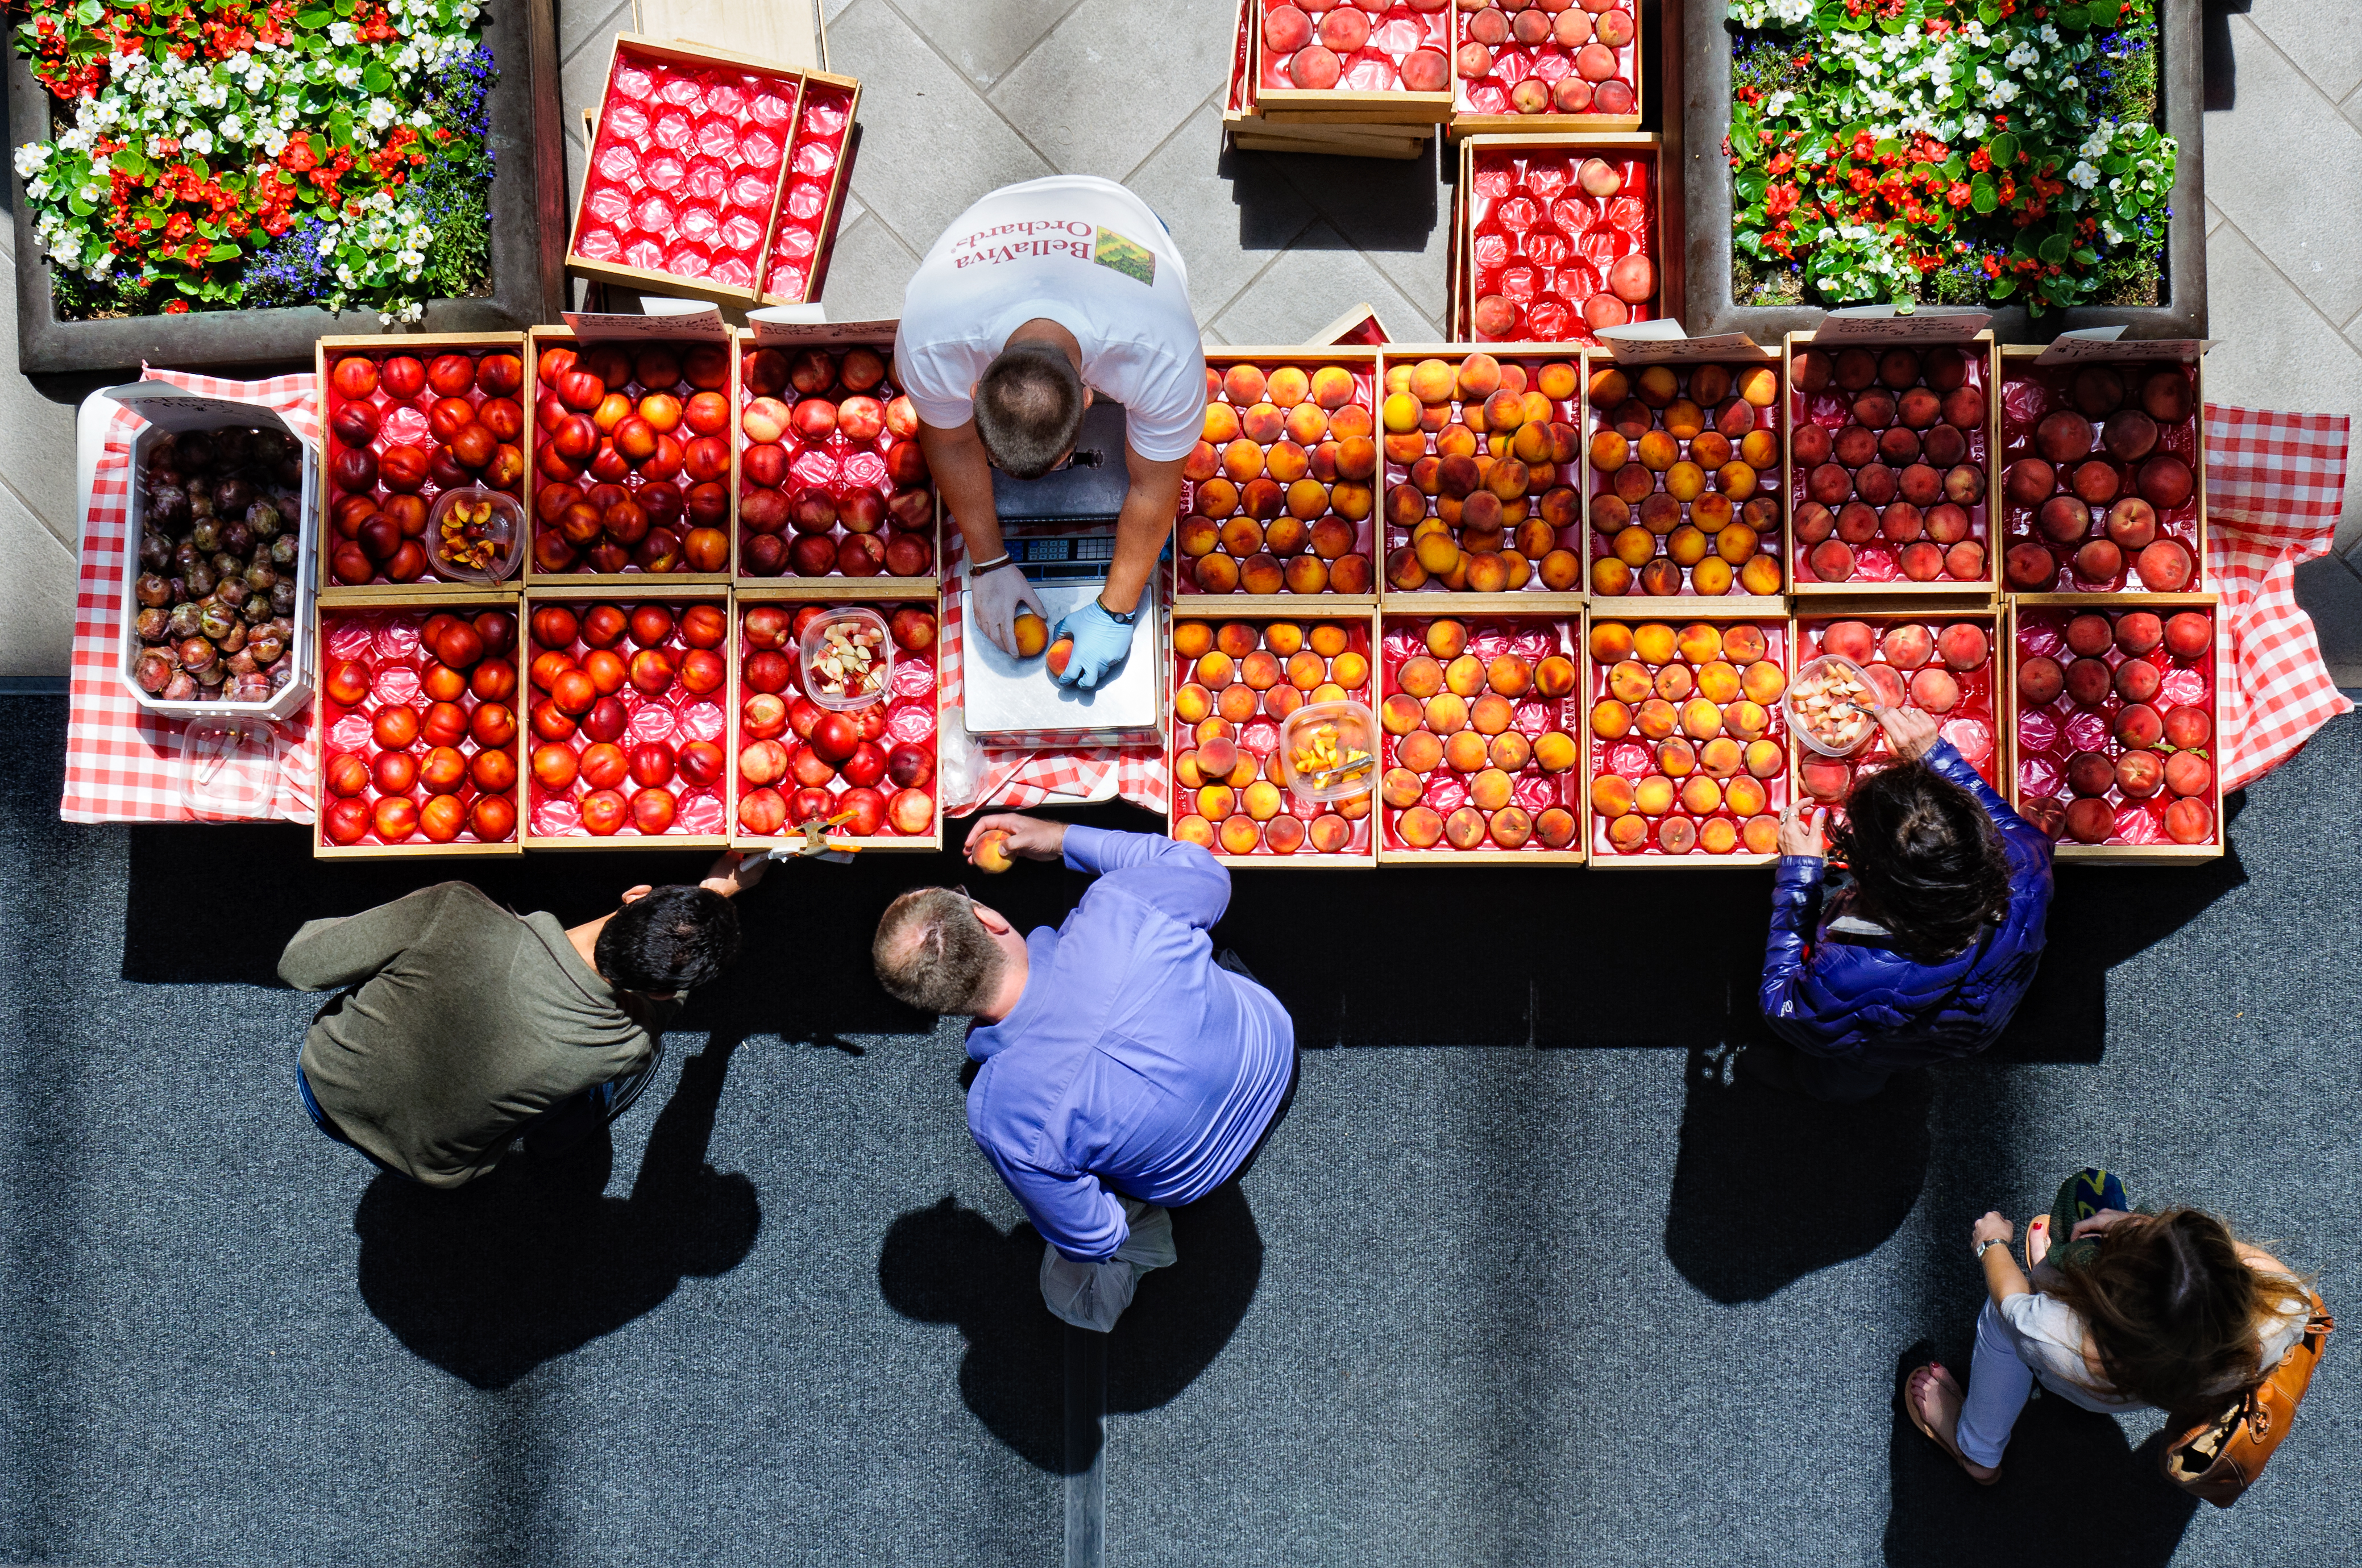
x,y
2050,36
348,75
32,156
2003,94
2068,85
2021,56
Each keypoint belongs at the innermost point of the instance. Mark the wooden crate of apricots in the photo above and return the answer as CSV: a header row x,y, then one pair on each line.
x,y
1277,498
1479,714
1273,749
1855,659
1688,759
1684,466
1481,461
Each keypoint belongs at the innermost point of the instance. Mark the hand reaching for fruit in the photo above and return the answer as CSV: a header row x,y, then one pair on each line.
x,y
1801,835
1101,643
1006,833
994,598
734,872
1911,732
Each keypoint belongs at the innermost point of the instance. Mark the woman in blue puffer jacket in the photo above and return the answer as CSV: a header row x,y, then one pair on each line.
x,y
1926,955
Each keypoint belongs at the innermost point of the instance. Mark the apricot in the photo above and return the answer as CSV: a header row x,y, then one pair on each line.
x,y
1610,719
1766,759
1421,751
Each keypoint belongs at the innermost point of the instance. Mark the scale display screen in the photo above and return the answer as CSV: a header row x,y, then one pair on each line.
x,y
1065,555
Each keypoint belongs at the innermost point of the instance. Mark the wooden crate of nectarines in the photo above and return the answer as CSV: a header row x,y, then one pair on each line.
x,y
1893,433
1683,457
421,751
1557,236
629,456
838,714
1339,65
2114,705
1688,759
2105,452
1482,449
1522,66
834,493
631,687
1274,745
1948,664
1278,498
1480,713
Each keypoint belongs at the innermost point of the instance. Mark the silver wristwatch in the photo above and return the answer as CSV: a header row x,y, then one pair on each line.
x,y
1986,1244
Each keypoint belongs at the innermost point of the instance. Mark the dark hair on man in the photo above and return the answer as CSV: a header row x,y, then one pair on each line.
x,y
934,954
1929,864
1028,409
2174,1310
668,939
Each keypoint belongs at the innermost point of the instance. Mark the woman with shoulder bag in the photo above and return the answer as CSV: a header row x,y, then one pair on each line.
x,y
2167,1310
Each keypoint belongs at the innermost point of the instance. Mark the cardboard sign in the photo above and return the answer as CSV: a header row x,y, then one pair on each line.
x,y
784,326
2106,345
693,319
1901,325
1662,343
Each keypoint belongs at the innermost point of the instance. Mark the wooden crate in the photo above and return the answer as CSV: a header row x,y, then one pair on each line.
x,y
1402,473
819,124
794,33
1603,569
1482,106
2031,613
326,351
1540,634
326,713
1880,555
927,597
2186,441
1981,689
1358,327
853,466
1209,491
543,338
1394,107
1360,847
578,595
1644,153
1600,752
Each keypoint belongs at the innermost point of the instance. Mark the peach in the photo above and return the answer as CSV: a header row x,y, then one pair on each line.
x,y
1674,683
1330,834
1653,642
1262,574
1766,759
1654,795
2189,634
1239,836
2130,437
1965,562
1718,681
1304,575
2165,566
1700,719
1701,795
1676,759
1305,669
1921,562
1401,787
1763,682
1874,410
2186,773
1934,690
1831,561
1446,713
1656,719
1721,757
2063,436
2099,561
2139,774
1901,522
2140,727
2096,482
1261,800
2189,821
1825,780
1677,835
2088,682
2164,481
1399,714
1214,574
2090,821
2091,773
1490,789
2187,727
1421,676
2063,519
1908,647
1628,833
1886,681
2040,680
1490,714
2131,523
2137,680
1611,796
1610,719
1745,719
2135,632
1421,751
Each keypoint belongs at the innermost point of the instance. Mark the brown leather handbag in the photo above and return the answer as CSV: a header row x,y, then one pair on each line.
x,y
2219,1458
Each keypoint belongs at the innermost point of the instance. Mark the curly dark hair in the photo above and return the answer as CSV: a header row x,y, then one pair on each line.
x,y
668,939
1928,862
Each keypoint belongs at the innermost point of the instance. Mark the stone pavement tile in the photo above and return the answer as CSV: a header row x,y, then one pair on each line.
x,y
2320,35
929,145
2213,217
36,462
1102,91
2352,108
36,637
1397,210
583,23
982,37
2275,352
2331,595
866,273
1230,211
2280,115
1313,284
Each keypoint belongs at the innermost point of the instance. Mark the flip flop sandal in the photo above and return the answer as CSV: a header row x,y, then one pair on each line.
x,y
1911,1408
2038,1226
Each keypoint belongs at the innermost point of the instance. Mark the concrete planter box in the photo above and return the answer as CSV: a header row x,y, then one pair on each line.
x,y
527,235
1700,55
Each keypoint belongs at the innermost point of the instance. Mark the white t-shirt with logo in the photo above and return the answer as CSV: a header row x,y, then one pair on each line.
x,y
1077,250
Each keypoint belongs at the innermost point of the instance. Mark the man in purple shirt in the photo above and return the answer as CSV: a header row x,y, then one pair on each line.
x,y
1125,1069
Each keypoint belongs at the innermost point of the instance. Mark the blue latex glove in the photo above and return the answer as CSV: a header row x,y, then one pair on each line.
x,y
1101,645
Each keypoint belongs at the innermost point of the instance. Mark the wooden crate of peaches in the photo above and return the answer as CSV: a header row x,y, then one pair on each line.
x,y
2101,490
847,730
1480,450
402,420
1685,463
1277,495
631,458
417,718
629,719
1235,686
1946,665
1890,466
1688,754
832,487
2114,716
1482,762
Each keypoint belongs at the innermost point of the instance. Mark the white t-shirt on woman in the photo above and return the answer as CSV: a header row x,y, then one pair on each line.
x,y
2049,1335
1077,250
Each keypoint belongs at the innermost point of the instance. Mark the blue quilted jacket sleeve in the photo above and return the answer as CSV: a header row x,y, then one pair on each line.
x,y
1859,1000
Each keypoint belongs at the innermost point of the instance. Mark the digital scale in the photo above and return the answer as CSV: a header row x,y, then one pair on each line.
x,y
1060,531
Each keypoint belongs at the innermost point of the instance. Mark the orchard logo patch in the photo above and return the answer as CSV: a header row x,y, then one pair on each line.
x,y
1128,256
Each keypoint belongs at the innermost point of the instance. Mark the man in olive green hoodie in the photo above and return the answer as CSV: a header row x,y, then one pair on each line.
x,y
461,1026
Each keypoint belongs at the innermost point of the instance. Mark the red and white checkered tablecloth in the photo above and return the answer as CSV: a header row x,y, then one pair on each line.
x,y
123,762
1015,778
2274,486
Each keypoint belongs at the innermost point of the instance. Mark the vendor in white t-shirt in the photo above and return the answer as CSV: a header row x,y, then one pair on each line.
x,y
1037,297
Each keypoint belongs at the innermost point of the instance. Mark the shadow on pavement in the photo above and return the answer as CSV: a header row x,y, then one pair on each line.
x,y
534,1260
1769,1185
2072,1490
947,1264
